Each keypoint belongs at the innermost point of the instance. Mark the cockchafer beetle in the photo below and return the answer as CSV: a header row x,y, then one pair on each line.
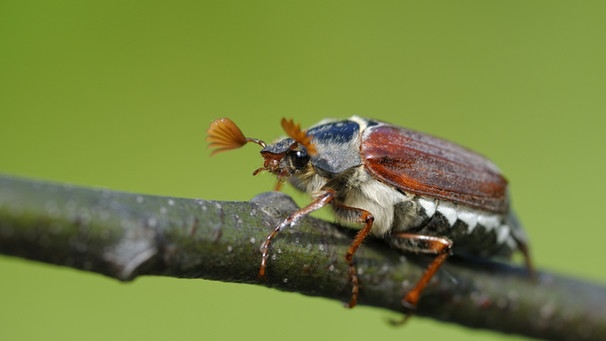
x,y
420,193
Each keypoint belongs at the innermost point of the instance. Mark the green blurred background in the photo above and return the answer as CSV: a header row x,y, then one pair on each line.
x,y
119,94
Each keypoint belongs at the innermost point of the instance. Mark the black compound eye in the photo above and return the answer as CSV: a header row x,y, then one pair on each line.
x,y
300,158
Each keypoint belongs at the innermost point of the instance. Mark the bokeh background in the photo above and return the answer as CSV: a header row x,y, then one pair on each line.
x,y
119,94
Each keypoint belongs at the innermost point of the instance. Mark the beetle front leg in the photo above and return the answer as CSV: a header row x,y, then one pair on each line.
x,y
439,246
291,220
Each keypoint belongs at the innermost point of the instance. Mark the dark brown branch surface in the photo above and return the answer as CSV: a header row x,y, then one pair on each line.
x,y
123,235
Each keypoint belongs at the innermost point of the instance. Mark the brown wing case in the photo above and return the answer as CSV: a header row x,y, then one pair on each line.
x,y
425,165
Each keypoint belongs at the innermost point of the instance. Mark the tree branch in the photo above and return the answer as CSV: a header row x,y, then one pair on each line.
x,y
123,235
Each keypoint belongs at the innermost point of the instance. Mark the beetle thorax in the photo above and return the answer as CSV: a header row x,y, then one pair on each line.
x,y
307,180
354,188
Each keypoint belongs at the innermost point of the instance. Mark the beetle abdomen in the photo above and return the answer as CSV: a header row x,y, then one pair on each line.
x,y
474,231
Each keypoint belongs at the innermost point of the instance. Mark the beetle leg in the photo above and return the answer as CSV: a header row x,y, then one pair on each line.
x,y
291,220
523,247
427,244
367,218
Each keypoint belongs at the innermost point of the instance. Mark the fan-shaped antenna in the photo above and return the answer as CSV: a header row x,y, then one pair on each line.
x,y
224,135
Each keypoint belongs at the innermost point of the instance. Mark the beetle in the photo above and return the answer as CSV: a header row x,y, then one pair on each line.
x,y
421,193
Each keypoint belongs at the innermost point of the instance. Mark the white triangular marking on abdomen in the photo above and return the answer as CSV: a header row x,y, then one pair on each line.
x,y
469,218
449,211
428,205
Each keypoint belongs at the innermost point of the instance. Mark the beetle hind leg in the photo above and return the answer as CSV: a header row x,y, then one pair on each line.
x,y
439,246
525,250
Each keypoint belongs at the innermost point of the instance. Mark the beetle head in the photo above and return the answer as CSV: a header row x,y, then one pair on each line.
x,y
283,158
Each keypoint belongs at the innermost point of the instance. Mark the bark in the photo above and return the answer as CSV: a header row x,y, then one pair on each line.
x,y
124,235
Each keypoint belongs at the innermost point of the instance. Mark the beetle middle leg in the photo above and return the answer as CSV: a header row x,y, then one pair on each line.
x,y
361,216
439,246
